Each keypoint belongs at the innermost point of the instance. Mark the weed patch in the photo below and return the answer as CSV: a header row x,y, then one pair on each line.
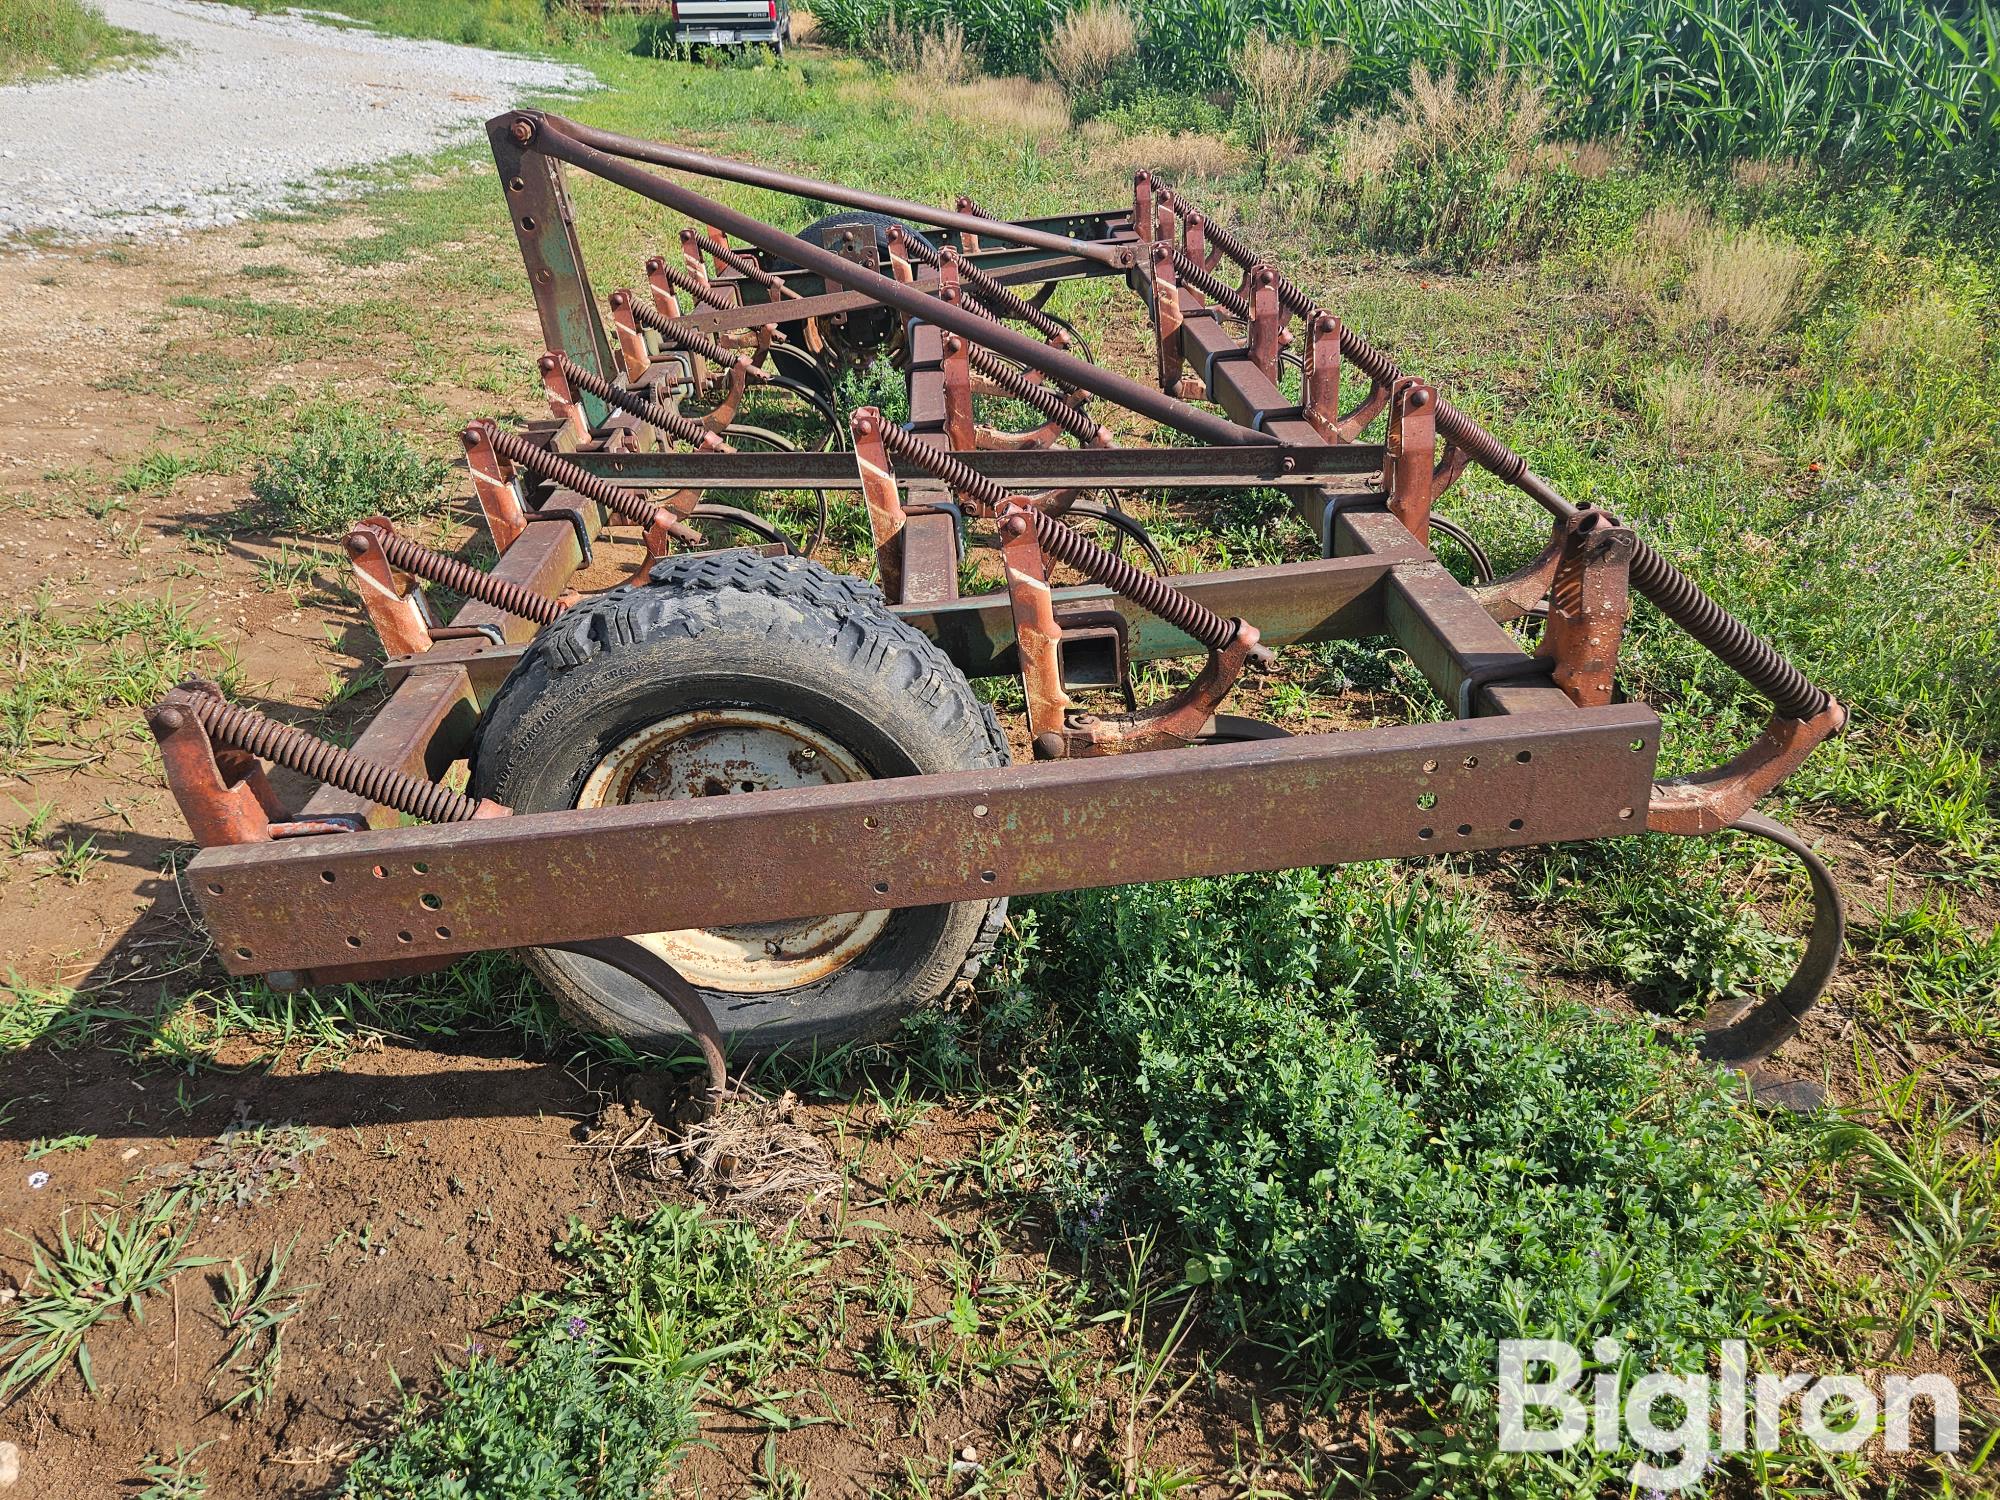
x,y
599,1397
341,465
560,1423
1379,1155
75,668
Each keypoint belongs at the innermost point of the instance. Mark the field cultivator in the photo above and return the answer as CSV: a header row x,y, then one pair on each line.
x,y
674,780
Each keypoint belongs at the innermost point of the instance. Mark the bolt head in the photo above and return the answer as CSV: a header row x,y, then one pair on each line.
x,y
167,719
523,131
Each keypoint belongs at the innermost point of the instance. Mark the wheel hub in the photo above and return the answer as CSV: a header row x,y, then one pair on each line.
x,y
725,752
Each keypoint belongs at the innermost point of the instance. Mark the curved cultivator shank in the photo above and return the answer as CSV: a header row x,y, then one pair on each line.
x,y
653,396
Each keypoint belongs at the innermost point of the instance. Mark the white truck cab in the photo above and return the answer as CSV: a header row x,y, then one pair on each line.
x,y
733,23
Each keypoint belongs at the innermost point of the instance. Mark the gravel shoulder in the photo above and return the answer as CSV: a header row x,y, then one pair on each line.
x,y
240,118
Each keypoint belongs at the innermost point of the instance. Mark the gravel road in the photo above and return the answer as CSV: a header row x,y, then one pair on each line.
x,y
243,115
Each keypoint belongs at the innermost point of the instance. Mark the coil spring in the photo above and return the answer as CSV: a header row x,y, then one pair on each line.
x,y
939,464
741,264
1004,301
678,335
558,470
1735,645
502,593
243,729
1192,273
1231,244
673,424
1073,420
676,277
1067,544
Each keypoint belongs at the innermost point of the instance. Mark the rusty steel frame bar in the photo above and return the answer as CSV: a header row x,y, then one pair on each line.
x,y
542,878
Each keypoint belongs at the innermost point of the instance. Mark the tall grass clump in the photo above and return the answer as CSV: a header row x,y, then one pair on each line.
x,y
1377,1156
1090,45
59,36
1461,172
1283,89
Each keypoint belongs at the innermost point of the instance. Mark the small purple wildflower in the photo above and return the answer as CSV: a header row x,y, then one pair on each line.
x,y
578,1327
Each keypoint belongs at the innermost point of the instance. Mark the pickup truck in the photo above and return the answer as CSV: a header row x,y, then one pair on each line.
x,y
733,23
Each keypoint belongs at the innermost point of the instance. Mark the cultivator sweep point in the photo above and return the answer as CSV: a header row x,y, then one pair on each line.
x,y
676,779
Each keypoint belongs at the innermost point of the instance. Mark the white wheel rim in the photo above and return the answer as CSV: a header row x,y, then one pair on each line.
x,y
727,752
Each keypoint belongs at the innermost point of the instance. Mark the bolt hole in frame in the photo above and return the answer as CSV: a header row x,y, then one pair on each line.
x,y
645,390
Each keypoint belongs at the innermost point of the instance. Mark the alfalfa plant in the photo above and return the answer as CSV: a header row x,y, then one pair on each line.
x,y
343,464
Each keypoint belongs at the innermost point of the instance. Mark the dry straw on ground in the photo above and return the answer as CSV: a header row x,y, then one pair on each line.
x,y
1283,88
1189,156
1436,116
753,1150
1089,44
1020,106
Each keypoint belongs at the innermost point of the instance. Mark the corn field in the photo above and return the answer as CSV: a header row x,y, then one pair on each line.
x,y
1902,84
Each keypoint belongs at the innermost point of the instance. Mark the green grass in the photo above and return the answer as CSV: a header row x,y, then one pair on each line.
x,y
80,1282
252,1308
47,38
74,671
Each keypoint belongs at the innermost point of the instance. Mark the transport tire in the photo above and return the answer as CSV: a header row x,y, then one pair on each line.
x,y
731,672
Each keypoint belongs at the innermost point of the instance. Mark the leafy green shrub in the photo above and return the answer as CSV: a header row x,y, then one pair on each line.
x,y
560,1423
1374,1153
343,464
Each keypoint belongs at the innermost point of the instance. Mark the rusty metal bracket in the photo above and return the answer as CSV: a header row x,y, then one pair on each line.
x,y
1589,600
1713,800
886,518
1409,456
